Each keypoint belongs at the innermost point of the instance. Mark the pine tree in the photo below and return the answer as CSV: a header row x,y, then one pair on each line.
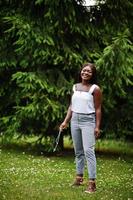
x,y
42,47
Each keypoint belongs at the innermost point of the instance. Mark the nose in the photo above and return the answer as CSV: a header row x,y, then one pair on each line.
x,y
86,73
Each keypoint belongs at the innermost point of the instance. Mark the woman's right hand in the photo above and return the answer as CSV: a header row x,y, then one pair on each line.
x,y
63,126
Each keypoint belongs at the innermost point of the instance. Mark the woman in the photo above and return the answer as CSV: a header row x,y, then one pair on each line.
x,y
85,115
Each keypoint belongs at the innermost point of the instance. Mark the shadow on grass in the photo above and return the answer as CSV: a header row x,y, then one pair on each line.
x,y
38,150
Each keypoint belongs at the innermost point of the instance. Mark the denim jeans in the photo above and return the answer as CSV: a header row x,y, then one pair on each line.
x,y
82,130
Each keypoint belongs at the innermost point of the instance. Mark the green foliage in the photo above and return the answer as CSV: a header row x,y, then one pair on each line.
x,y
42,46
115,69
36,102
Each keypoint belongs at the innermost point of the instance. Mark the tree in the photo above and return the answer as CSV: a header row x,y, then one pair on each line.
x,y
115,66
116,71
43,44
39,55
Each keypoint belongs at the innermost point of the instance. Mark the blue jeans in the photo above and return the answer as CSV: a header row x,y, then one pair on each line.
x,y
82,130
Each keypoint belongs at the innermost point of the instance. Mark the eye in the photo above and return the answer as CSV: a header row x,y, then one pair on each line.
x,y
88,71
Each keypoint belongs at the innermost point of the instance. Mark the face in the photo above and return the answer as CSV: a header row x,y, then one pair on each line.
x,y
86,73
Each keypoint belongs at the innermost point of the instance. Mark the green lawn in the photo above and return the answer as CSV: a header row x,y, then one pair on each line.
x,y
27,176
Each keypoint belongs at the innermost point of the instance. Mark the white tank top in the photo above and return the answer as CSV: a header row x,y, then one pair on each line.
x,y
83,102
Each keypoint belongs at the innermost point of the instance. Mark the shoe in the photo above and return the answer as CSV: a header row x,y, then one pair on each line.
x,y
91,187
78,181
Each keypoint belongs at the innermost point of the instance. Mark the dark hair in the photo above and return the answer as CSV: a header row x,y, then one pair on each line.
x,y
93,79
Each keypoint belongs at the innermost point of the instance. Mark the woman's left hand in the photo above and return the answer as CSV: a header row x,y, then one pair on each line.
x,y
97,133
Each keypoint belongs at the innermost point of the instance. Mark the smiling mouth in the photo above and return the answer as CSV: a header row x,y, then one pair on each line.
x,y
85,76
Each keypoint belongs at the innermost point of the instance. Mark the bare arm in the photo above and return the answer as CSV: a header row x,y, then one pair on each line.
x,y
97,103
68,115
67,118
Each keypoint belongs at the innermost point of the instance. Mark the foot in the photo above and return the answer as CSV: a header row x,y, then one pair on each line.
x,y
78,181
91,187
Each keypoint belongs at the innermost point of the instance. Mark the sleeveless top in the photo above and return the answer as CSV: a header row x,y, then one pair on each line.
x,y
82,101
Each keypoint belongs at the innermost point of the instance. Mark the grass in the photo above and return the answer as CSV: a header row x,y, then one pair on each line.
x,y
25,175
108,146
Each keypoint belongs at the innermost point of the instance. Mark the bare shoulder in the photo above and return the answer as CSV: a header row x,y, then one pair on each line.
x,y
97,90
97,87
77,86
